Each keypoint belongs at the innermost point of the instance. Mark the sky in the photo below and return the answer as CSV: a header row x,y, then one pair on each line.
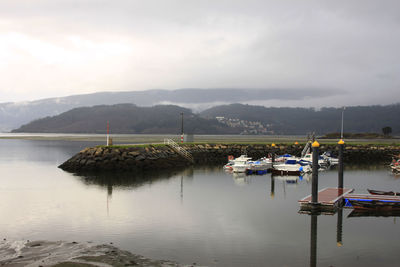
x,y
53,48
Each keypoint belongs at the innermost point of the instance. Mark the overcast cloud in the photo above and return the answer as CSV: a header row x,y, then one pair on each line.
x,y
51,48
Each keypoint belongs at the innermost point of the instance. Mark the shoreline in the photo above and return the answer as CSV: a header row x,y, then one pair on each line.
x,y
133,139
140,158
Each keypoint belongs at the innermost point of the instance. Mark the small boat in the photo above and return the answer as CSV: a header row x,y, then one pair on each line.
x,y
236,161
330,158
322,162
372,202
290,167
386,193
241,164
386,204
262,165
395,169
284,158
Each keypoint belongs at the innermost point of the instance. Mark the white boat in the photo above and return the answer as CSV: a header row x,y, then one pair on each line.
x,y
322,162
262,164
284,158
240,164
332,160
290,167
396,167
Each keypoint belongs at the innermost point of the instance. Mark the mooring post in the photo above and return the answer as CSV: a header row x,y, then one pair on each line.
x,y
314,187
273,153
340,176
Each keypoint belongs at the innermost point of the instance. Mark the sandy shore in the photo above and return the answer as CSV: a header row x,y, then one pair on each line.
x,y
65,254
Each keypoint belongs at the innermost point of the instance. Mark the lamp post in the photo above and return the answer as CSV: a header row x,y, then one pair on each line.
x,y
341,132
181,127
108,134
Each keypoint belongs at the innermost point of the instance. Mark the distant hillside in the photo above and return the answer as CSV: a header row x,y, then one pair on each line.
x,y
227,119
127,118
13,115
368,119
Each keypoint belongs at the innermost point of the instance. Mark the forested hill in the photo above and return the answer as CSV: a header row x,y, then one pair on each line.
x,y
127,118
238,118
303,120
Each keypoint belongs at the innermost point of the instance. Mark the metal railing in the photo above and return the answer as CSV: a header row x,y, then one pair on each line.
x,y
306,149
182,151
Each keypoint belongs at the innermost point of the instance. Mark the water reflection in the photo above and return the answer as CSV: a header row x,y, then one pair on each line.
x,y
374,213
241,178
314,234
130,180
313,240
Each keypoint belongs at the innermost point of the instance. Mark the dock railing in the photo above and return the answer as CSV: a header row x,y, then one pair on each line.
x,y
180,150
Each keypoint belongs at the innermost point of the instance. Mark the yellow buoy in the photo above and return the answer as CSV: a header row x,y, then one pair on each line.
x,y
341,142
315,144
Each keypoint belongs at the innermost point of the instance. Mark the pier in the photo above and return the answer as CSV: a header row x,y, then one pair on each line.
x,y
329,199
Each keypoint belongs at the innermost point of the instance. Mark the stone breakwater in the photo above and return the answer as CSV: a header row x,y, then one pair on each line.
x,y
144,158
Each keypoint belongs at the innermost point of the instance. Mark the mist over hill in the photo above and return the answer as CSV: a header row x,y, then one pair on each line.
x,y
13,115
225,119
364,119
127,118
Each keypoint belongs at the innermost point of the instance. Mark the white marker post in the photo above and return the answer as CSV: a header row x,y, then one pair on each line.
x,y
108,134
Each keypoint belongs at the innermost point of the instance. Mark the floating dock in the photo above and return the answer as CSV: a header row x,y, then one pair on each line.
x,y
329,199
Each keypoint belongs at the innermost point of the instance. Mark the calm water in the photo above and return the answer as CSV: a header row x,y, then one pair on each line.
x,y
201,215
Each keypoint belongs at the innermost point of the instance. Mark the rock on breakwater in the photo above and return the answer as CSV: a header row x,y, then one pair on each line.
x,y
143,158
135,158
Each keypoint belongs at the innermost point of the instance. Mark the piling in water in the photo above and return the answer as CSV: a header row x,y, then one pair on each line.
x,y
314,188
340,174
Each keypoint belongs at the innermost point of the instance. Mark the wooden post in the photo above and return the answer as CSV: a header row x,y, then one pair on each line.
x,y
340,175
314,187
273,154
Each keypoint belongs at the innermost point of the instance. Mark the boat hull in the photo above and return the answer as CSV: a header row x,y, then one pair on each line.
x,y
285,172
384,193
375,205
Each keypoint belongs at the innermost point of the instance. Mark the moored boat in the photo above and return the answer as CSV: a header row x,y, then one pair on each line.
x,y
241,164
374,204
290,167
387,193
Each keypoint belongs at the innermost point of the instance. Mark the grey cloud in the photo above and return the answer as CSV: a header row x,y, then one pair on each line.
x,y
349,45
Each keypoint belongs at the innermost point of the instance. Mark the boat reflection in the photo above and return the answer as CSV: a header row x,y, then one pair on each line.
x,y
241,178
293,179
374,213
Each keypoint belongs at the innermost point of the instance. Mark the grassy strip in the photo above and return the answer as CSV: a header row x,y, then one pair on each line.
x,y
350,143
